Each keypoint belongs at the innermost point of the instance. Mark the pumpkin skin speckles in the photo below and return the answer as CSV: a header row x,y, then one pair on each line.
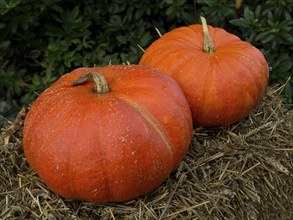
x,y
222,85
111,146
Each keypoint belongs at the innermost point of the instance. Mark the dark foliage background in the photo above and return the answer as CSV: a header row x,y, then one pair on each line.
x,y
42,40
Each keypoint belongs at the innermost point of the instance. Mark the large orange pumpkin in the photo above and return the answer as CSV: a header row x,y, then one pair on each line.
x,y
116,142
223,77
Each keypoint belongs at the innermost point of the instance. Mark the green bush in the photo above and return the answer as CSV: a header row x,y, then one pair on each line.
x,y
42,40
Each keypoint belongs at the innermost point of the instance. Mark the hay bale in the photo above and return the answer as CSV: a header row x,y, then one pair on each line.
x,y
243,171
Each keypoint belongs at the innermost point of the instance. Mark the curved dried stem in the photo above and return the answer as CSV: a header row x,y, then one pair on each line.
x,y
100,83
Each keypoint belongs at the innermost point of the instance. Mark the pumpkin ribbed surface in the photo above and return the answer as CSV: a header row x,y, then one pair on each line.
x,y
111,146
223,86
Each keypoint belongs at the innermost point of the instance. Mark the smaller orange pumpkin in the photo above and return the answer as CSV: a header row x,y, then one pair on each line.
x,y
223,77
114,143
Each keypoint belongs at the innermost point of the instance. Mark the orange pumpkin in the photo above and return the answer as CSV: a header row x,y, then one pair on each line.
x,y
114,143
223,77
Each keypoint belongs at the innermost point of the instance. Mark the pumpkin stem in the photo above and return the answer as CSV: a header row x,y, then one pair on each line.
x,y
100,83
208,41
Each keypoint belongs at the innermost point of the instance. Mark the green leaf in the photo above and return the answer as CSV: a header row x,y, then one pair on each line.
x,y
180,2
2,25
248,14
258,11
267,38
7,6
287,37
121,39
74,14
169,1
262,35
145,40
36,81
284,67
240,22
5,44
170,11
